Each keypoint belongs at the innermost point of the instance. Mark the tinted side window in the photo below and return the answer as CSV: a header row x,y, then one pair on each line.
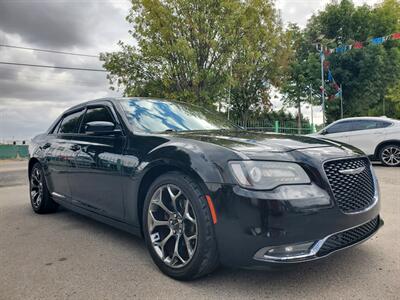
x,y
97,114
383,124
340,127
71,122
369,124
364,124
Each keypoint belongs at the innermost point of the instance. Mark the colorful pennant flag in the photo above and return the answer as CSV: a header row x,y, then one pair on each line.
x,y
340,49
377,41
326,64
336,86
330,77
395,36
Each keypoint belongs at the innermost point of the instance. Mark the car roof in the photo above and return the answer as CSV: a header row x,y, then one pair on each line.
x,y
83,104
114,99
368,118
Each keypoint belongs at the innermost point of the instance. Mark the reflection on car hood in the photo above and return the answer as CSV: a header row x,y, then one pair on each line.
x,y
254,142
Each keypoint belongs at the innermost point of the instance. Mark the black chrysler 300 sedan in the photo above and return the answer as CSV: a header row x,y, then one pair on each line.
x,y
200,190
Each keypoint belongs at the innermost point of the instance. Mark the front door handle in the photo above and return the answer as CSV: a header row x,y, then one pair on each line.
x,y
47,145
75,147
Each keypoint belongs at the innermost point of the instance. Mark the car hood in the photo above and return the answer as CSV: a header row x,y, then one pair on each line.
x,y
255,142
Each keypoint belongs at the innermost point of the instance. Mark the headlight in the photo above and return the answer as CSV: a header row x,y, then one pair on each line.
x,y
266,175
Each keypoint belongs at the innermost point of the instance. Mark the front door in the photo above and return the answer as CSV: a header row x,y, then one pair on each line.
x,y
338,131
96,177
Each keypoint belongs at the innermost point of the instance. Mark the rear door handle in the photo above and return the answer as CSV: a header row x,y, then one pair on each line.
x,y
75,147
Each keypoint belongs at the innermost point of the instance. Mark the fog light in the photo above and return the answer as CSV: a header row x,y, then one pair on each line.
x,y
289,251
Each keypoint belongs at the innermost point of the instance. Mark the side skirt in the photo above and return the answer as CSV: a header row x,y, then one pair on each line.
x,y
114,223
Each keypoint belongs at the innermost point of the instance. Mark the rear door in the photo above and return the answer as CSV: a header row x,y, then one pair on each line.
x,y
96,177
367,134
59,155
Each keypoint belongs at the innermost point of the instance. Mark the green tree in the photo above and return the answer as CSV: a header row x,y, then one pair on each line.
x,y
392,99
201,51
259,58
182,49
366,74
302,80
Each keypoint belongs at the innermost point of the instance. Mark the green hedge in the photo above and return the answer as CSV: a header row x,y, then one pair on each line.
x,y
13,151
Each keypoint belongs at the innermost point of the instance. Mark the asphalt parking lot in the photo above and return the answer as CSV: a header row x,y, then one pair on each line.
x,y
67,256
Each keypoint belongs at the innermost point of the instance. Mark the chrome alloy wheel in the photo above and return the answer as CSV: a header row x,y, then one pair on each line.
x,y
172,226
391,155
36,188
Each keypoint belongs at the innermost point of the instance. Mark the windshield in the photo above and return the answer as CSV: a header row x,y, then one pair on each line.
x,y
157,116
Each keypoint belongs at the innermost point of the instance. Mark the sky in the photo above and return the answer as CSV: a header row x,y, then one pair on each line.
x,y
32,98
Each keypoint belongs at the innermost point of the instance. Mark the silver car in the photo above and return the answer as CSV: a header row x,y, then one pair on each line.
x,y
378,137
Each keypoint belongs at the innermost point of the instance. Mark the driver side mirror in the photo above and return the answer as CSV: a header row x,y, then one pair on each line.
x,y
323,131
101,128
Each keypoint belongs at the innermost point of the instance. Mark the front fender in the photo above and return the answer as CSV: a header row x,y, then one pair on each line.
x,y
197,159
188,157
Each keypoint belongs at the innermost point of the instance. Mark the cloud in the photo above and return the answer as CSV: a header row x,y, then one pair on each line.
x,y
60,24
299,11
31,98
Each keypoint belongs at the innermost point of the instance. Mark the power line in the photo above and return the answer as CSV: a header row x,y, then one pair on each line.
x,y
47,50
51,67
51,79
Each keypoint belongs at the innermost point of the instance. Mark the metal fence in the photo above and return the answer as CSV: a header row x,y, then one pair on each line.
x,y
276,126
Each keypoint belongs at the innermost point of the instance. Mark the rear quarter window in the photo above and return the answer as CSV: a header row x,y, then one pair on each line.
x,y
383,124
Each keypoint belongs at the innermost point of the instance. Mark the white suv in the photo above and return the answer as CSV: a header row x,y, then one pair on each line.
x,y
379,138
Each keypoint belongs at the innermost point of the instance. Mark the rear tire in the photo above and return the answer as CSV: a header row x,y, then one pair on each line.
x,y
389,155
41,201
178,228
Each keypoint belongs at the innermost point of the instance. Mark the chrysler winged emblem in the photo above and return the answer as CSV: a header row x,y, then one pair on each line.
x,y
352,171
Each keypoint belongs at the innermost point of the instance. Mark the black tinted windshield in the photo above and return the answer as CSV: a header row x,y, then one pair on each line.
x,y
158,116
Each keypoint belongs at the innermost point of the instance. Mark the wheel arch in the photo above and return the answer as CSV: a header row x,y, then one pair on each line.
x,y
31,163
155,172
383,144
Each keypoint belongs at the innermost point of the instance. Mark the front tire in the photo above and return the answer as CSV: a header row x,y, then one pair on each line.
x,y
389,155
40,196
178,228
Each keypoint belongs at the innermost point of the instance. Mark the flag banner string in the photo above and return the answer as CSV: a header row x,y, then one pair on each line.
x,y
334,85
325,51
332,81
359,45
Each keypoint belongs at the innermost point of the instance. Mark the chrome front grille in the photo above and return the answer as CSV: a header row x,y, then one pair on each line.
x,y
352,183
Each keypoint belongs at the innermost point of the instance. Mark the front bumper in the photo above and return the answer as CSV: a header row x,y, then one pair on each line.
x,y
321,248
250,223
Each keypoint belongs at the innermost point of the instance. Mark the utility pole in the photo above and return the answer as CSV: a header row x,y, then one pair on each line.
x,y
341,101
323,84
383,108
230,86
311,105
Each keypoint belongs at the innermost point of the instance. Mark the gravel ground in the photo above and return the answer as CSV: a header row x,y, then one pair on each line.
x,y
67,256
